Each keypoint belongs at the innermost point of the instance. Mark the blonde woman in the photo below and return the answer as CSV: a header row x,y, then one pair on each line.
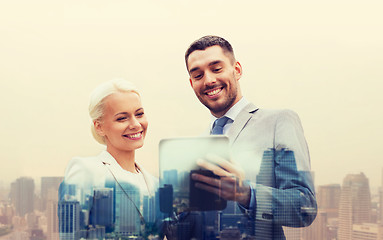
x,y
108,191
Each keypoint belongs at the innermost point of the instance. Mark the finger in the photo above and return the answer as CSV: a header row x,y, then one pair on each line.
x,y
208,188
217,170
208,180
229,166
228,195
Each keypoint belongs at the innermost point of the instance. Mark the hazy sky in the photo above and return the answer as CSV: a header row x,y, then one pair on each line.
x,y
322,59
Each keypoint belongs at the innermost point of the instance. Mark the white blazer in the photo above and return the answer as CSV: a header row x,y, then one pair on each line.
x,y
92,172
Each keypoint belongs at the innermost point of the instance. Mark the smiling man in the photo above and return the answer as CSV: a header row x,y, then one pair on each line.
x,y
268,178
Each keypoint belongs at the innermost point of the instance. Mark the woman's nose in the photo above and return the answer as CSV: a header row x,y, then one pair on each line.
x,y
134,123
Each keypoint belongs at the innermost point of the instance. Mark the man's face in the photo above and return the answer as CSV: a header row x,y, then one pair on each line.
x,y
214,78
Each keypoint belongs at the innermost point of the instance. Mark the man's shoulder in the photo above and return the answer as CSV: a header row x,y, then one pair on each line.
x,y
275,113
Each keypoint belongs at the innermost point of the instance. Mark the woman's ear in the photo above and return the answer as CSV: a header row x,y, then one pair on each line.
x,y
98,127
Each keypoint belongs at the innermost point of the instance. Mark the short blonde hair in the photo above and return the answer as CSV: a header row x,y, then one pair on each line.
x,y
97,100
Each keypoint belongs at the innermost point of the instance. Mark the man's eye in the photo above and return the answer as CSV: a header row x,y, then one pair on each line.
x,y
198,76
140,114
217,69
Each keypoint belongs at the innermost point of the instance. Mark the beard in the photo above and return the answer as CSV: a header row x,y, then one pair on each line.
x,y
223,104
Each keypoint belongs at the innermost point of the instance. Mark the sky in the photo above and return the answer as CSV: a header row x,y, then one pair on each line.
x,y
321,59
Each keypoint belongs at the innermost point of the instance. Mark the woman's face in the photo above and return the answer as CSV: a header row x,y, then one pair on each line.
x,y
124,123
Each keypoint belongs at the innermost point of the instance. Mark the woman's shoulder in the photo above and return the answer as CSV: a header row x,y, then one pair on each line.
x,y
82,168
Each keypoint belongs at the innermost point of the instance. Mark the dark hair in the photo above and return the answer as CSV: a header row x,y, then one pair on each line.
x,y
209,41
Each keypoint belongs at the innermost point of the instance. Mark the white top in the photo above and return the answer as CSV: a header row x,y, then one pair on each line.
x,y
93,172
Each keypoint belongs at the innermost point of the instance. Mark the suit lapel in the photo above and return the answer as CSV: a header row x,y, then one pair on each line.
x,y
239,123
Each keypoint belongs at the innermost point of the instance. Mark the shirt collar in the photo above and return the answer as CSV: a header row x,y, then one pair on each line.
x,y
233,111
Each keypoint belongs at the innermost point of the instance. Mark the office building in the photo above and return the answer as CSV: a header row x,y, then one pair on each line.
x,y
367,231
355,204
22,195
69,215
47,184
102,213
328,197
128,205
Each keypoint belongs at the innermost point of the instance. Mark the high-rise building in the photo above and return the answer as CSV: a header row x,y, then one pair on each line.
x,y
128,205
355,204
51,214
149,209
52,221
102,212
48,183
318,229
171,177
22,195
367,231
380,218
69,215
328,197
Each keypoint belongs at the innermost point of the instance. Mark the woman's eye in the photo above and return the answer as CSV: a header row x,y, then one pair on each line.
x,y
140,114
121,118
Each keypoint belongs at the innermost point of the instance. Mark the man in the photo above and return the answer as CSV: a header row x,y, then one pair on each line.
x,y
269,174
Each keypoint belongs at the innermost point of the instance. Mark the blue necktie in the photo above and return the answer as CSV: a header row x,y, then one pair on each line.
x,y
218,125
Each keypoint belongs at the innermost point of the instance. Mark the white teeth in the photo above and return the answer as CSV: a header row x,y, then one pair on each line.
x,y
136,135
214,92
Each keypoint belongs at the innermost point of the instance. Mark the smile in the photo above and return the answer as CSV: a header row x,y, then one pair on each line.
x,y
134,136
214,92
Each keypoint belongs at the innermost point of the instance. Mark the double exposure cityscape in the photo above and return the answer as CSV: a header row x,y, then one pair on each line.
x,y
350,210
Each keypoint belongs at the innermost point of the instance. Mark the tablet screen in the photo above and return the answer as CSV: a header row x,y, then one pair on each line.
x,y
178,158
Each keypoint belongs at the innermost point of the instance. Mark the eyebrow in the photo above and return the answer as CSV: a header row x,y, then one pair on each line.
x,y
124,113
210,64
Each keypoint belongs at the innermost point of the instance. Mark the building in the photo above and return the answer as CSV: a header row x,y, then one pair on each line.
x,y
51,214
128,205
328,197
22,195
47,184
102,213
367,231
380,218
69,215
318,229
355,204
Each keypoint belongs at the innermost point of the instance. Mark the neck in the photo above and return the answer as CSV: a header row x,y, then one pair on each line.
x,y
126,159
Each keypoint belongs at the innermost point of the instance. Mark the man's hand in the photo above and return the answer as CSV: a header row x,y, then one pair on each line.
x,y
230,185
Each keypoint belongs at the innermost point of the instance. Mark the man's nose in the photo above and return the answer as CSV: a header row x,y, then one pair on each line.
x,y
210,79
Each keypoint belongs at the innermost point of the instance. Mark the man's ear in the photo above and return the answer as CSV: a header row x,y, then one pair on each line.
x,y
98,127
237,71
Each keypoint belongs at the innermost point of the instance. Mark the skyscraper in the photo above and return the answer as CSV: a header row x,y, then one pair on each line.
x,y
171,177
128,205
381,202
318,229
22,195
328,197
48,183
69,215
102,212
355,204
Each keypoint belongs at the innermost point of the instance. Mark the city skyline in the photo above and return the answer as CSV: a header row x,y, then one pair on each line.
x,y
327,69
351,199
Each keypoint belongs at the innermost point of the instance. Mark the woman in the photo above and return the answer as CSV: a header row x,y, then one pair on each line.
x,y
108,191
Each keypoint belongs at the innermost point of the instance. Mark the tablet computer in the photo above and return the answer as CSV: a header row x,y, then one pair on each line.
x,y
177,161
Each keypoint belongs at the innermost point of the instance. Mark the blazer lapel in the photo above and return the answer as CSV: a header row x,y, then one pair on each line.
x,y
239,123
